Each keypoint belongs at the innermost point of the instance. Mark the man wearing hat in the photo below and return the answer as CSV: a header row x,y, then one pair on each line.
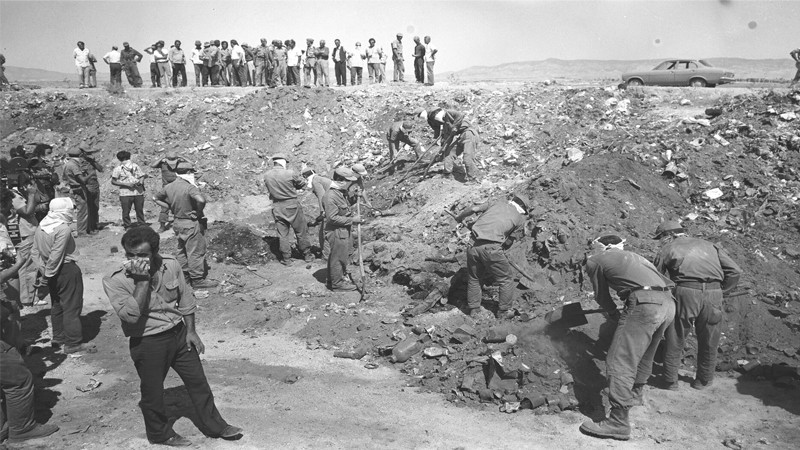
x,y
361,174
187,203
283,184
649,309
129,178
340,217
400,133
75,177
210,64
167,164
457,137
263,58
197,62
309,68
319,185
496,229
397,58
703,272
128,58
91,167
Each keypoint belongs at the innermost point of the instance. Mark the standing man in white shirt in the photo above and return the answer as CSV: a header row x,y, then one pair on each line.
x,y
177,58
293,62
197,61
397,58
374,61
81,56
238,64
430,59
112,58
356,59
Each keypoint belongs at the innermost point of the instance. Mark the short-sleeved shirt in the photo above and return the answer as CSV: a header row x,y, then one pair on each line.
x,y
374,55
27,222
92,183
167,171
113,57
176,56
178,195
130,55
419,51
197,56
397,50
81,57
429,55
73,169
170,299
128,172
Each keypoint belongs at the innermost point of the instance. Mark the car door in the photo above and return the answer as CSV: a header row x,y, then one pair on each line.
x,y
684,71
662,75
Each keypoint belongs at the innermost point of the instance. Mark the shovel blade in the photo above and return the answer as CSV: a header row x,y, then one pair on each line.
x,y
568,316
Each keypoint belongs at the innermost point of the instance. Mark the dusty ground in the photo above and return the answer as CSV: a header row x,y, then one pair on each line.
x,y
268,326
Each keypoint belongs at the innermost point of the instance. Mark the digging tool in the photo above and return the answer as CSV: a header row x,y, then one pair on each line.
x,y
570,315
441,152
427,147
360,252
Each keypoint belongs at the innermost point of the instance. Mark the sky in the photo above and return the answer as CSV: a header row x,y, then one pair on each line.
x,y
42,34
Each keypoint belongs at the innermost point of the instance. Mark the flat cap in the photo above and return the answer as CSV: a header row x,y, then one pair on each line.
x,y
359,169
279,156
346,173
206,44
667,226
74,151
523,200
197,43
184,166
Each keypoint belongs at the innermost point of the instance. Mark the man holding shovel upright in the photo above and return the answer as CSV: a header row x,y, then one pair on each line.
x,y
649,309
493,232
703,272
339,221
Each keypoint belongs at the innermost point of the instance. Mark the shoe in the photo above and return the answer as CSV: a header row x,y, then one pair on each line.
x,y
286,262
506,315
309,258
87,348
699,385
204,283
175,441
669,386
344,287
231,433
38,431
615,426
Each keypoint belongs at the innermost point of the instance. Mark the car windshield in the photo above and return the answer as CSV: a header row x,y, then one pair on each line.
x,y
666,65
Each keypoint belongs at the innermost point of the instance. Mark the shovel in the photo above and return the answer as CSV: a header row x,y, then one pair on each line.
x,y
570,315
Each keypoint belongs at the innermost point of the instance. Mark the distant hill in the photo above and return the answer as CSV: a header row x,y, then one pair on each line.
x,y
24,74
598,69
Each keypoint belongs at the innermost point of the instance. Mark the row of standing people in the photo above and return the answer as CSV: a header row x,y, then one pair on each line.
x,y
272,64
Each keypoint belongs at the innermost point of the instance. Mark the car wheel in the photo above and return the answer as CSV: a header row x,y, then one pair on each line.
x,y
697,82
634,82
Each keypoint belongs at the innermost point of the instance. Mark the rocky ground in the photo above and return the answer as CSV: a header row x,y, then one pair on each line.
x,y
594,159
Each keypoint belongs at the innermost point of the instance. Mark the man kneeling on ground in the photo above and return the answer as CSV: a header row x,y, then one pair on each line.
x,y
156,307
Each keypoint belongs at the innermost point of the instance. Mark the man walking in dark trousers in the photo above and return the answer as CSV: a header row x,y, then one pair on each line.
x,y
649,309
419,60
282,184
703,273
339,56
156,308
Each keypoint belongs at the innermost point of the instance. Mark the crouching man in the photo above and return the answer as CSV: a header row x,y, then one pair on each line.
x,y
649,310
156,307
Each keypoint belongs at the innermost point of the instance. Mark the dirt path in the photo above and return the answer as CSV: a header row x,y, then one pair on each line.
x,y
338,403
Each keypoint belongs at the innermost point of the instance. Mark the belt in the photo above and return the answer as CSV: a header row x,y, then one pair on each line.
x,y
652,288
480,242
700,285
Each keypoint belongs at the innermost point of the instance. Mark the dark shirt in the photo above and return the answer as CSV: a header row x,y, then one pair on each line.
x,y
622,271
397,133
89,167
178,195
283,184
498,222
691,259
419,51
129,55
338,210
453,121
72,170
167,171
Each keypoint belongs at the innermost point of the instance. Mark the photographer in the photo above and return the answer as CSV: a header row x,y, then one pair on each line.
x,y
130,180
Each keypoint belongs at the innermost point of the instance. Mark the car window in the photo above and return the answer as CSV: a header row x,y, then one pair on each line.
x,y
705,63
664,65
692,65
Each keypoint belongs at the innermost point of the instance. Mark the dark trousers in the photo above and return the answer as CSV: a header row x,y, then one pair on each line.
x,y
66,294
192,246
132,73
289,216
16,382
466,143
92,210
78,196
116,73
163,216
239,74
703,308
646,316
340,71
340,241
293,76
155,75
198,75
137,201
489,259
178,69
153,356
419,70
355,75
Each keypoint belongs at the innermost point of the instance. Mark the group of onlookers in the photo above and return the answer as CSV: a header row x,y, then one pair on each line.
x,y
275,63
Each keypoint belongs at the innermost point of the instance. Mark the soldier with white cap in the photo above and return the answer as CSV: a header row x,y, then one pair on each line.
x,y
283,184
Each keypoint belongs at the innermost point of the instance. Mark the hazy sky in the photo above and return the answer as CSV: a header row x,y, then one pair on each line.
x,y
42,34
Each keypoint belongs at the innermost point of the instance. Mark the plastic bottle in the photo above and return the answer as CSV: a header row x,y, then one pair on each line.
x,y
405,349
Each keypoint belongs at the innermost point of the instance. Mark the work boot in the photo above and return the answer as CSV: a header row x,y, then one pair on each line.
x,y
286,262
204,283
175,441
480,314
615,426
309,257
668,385
231,433
700,385
38,431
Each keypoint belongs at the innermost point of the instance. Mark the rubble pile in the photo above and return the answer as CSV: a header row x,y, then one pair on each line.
x,y
593,160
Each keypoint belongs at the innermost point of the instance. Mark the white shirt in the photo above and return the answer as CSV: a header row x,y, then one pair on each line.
x,y
112,57
429,56
237,53
293,56
196,56
358,57
81,57
373,55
